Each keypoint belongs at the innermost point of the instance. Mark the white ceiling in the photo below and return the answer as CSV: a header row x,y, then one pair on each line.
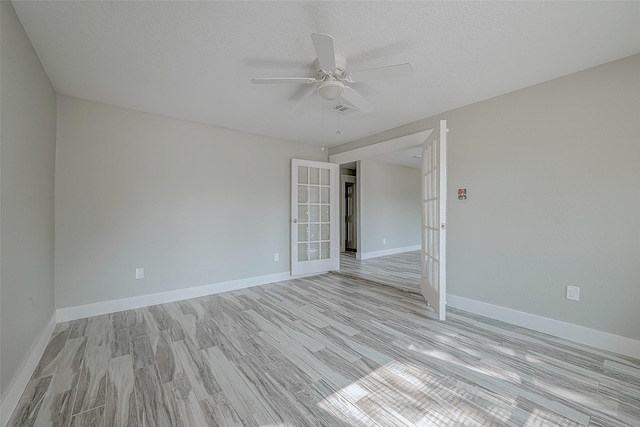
x,y
195,60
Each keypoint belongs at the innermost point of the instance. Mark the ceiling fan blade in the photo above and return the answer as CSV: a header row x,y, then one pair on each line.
x,y
323,44
355,99
387,72
272,81
306,104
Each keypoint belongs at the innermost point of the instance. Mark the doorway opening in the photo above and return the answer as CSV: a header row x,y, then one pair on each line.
x,y
388,211
432,201
348,208
349,216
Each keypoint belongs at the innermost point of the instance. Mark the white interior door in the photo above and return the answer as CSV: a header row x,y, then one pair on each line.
x,y
315,246
434,219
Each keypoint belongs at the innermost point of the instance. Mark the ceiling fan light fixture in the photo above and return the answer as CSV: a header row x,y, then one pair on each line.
x,y
330,90
332,78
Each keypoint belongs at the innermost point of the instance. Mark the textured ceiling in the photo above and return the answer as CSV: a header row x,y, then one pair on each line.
x,y
195,60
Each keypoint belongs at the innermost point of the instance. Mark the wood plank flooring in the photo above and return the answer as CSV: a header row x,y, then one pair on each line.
x,y
401,271
329,350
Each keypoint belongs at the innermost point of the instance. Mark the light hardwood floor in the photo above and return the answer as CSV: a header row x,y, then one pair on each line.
x,y
329,350
401,271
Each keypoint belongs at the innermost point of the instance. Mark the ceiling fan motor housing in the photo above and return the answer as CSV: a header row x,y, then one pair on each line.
x,y
339,73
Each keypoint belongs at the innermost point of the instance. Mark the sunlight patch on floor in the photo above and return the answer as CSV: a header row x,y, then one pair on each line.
x,y
411,395
445,357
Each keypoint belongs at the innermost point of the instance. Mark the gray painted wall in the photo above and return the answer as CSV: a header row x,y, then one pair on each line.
x,y
27,153
552,177
389,206
191,204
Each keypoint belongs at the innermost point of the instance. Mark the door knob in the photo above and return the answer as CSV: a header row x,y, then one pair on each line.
x,y
295,221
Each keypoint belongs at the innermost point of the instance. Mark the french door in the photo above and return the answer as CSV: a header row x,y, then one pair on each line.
x,y
434,219
315,246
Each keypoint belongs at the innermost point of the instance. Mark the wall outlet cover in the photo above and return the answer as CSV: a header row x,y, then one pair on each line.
x,y
573,293
139,273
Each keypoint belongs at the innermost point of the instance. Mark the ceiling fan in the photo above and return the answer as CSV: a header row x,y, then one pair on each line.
x,y
332,78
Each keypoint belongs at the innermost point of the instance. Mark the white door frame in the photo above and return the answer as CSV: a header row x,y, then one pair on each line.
x,y
397,144
369,151
385,147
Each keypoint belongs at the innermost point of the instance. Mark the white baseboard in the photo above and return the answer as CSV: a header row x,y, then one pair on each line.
x,y
24,372
375,254
112,306
569,331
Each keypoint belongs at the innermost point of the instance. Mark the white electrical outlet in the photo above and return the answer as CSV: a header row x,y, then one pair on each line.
x,y
139,273
384,241
573,293
276,257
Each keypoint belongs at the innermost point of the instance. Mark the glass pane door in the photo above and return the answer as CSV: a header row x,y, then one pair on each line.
x,y
434,216
314,216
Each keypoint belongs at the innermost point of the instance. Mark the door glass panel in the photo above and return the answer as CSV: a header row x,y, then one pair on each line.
x,y
303,194
314,232
435,281
432,206
324,194
326,177
432,245
427,183
325,214
425,216
302,252
436,244
314,176
314,251
325,250
314,194
303,231
303,213
425,240
434,182
325,232
303,175
314,213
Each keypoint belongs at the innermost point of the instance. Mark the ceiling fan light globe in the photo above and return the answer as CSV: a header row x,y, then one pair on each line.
x,y
331,90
